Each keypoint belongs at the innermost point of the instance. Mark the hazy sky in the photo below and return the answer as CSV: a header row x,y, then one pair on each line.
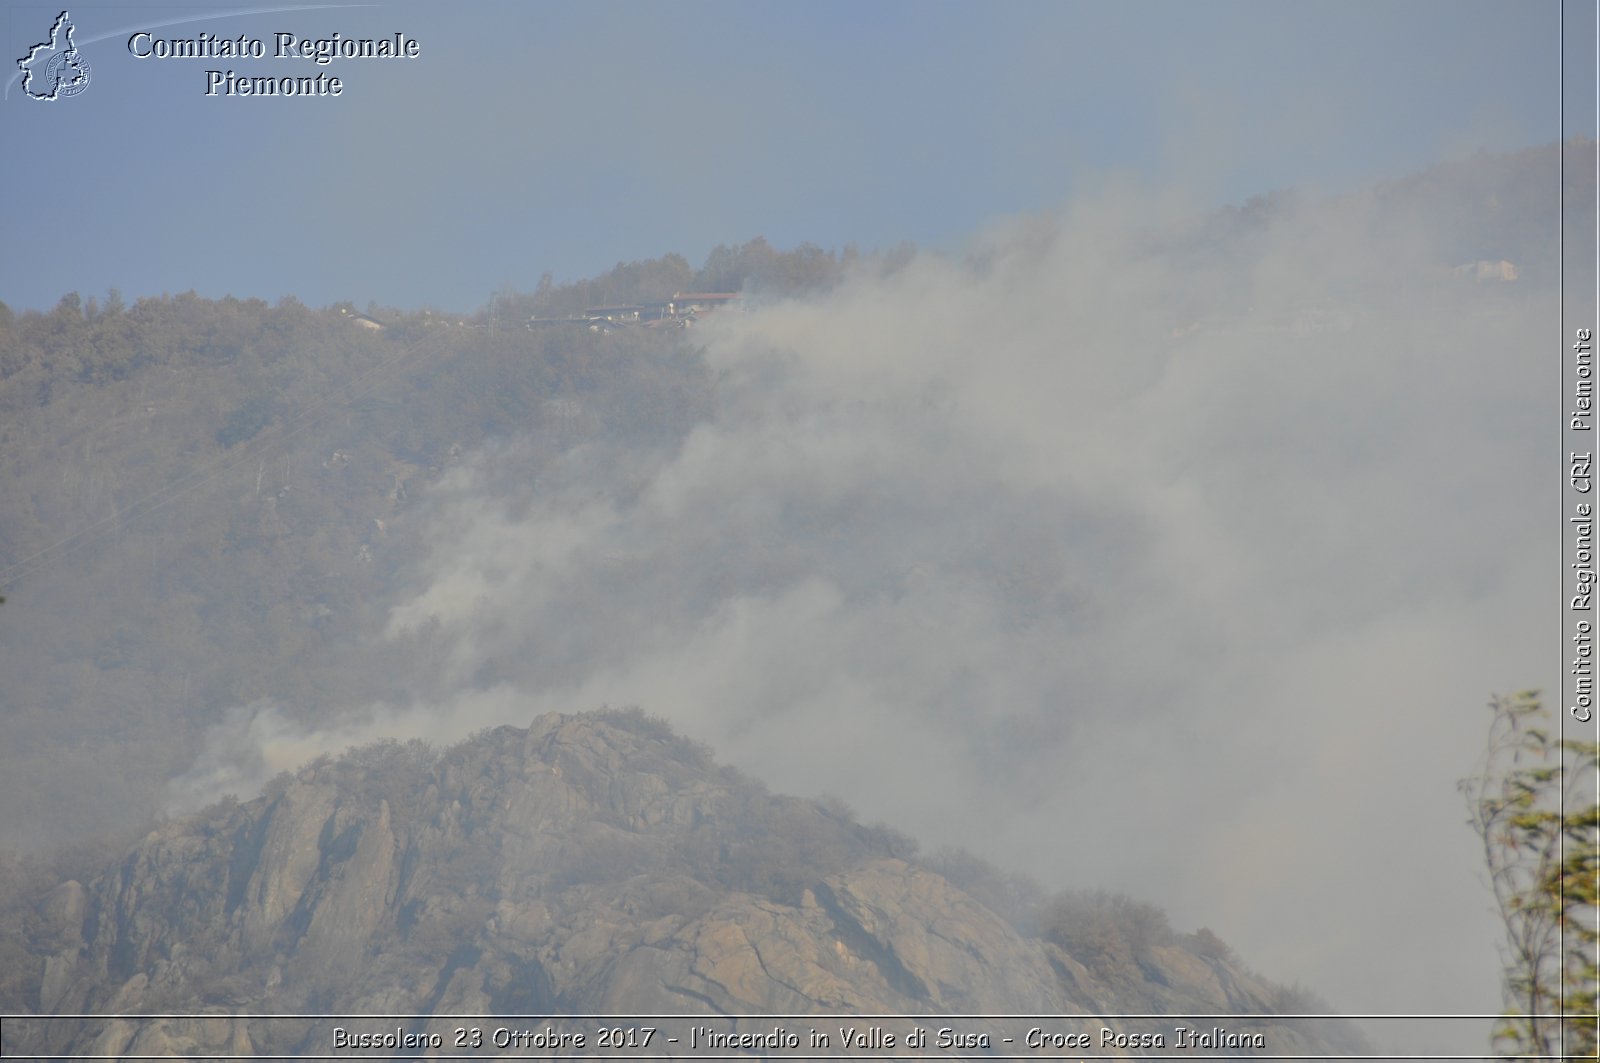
x,y
568,137
1203,606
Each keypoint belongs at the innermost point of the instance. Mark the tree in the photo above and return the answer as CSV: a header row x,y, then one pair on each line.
x,y
1533,807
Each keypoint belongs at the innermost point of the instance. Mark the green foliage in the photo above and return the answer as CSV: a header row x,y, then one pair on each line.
x,y
1532,806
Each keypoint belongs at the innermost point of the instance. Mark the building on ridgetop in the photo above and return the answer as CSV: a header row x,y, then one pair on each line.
x,y
685,303
366,321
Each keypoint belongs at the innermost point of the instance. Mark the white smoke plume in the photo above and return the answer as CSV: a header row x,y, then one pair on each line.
x,y
1122,553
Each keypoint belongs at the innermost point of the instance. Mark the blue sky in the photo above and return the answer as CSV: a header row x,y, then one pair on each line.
x,y
568,137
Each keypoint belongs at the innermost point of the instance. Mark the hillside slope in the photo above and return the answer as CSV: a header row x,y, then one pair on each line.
x,y
590,864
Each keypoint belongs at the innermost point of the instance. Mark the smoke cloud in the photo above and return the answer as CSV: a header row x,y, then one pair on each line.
x,y
1121,551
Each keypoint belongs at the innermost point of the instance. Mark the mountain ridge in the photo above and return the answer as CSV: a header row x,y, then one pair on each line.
x,y
588,864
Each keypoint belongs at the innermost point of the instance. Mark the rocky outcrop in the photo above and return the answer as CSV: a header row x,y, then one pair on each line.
x,y
593,864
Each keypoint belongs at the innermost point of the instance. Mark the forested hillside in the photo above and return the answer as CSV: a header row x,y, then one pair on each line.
x,y
205,501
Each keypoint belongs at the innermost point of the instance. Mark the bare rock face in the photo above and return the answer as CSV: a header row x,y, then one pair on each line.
x,y
593,864
939,946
